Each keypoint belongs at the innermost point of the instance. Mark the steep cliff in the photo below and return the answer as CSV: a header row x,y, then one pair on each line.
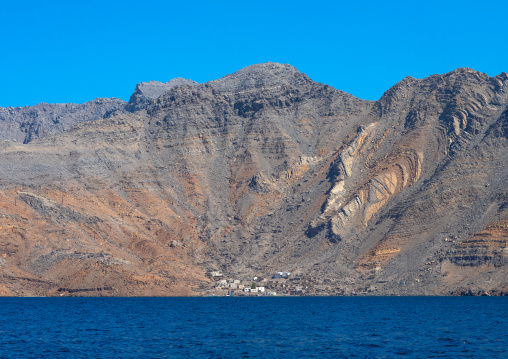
x,y
146,92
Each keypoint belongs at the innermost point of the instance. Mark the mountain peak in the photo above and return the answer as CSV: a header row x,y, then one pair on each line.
x,y
463,70
145,92
180,81
262,75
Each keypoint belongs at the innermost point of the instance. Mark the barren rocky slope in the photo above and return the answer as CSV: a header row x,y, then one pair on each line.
x,y
266,170
24,124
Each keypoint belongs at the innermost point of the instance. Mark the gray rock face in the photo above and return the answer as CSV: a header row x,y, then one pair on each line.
x,y
146,92
23,124
54,211
261,77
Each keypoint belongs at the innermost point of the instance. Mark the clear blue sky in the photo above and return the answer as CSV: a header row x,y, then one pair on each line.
x,y
75,51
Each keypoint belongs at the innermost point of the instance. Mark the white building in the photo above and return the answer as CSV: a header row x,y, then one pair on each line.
x,y
281,275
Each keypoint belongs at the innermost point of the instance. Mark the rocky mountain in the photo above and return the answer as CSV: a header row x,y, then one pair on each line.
x,y
262,171
146,92
24,124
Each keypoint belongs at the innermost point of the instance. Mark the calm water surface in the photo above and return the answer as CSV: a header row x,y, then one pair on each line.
x,y
338,327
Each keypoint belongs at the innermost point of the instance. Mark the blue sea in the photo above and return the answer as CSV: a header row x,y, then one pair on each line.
x,y
229,327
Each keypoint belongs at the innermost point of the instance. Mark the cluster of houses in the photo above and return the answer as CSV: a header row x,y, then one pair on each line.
x,y
249,286
281,284
235,284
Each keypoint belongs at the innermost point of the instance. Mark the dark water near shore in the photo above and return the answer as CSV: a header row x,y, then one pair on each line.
x,y
338,327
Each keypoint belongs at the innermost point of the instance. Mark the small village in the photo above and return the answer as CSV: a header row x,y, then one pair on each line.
x,y
280,284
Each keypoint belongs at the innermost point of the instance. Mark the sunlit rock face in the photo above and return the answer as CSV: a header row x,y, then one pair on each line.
x,y
264,171
361,188
24,124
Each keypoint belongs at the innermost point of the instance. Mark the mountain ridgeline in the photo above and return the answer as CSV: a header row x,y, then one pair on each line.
x,y
263,170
